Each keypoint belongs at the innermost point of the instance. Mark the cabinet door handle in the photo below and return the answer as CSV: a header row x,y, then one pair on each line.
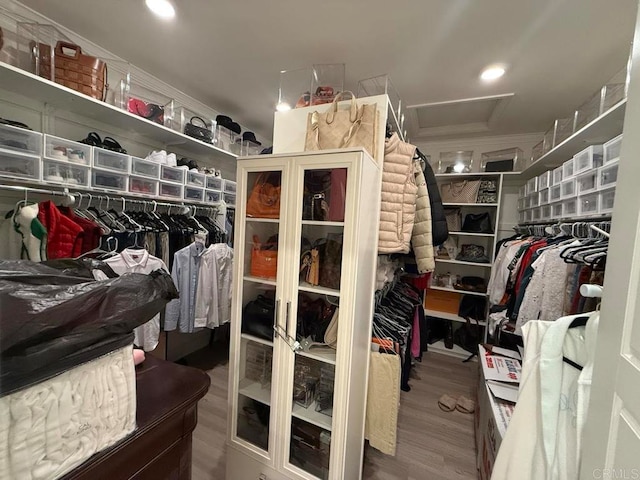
x,y
277,315
287,318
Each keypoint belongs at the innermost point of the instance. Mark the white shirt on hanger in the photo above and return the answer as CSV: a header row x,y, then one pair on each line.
x,y
138,261
213,296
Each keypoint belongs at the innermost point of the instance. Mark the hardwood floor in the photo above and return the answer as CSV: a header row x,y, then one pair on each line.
x,y
432,444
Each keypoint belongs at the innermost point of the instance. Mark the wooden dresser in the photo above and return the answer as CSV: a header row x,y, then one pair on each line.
x,y
160,447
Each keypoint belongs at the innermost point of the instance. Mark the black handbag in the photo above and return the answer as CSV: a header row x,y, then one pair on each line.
x,y
477,223
473,253
472,306
202,133
315,205
258,318
468,336
499,166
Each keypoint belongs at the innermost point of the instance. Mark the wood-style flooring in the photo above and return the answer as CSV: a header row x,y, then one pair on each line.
x,y
432,444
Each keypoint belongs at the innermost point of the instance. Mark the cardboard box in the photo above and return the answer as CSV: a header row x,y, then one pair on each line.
x,y
441,301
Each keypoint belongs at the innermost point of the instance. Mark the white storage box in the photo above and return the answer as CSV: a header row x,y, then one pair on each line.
x,y
568,188
65,173
528,215
143,185
214,183
570,207
173,174
611,149
108,180
536,214
544,180
567,169
57,148
532,185
145,168
546,212
588,204
556,210
212,196
534,200
19,165
588,159
556,176
543,197
20,140
521,216
194,194
522,191
587,182
608,175
527,202
171,190
108,160
230,199
196,179
607,198
230,186
555,193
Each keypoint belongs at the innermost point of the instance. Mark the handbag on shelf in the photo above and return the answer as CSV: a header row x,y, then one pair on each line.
x,y
477,223
258,317
464,191
314,318
331,334
264,199
73,69
317,184
330,253
448,250
472,284
454,219
355,127
264,258
488,191
473,253
201,132
337,199
499,166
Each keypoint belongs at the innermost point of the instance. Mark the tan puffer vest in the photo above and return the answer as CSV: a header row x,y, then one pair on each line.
x,y
398,207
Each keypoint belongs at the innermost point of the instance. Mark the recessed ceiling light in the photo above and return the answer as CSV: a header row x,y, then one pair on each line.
x,y
492,73
283,107
162,8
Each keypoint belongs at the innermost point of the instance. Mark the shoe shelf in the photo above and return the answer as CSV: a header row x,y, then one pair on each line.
x,y
450,316
59,97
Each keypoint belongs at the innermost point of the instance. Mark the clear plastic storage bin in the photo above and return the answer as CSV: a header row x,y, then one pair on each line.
x,y
521,216
611,149
546,212
147,103
528,215
225,139
537,151
588,204
589,111
588,159
555,193
230,186
230,199
556,176
194,194
567,169
544,180
534,200
108,180
171,190
248,148
65,173
556,210
214,183
543,196
21,166
20,140
172,174
143,185
145,168
212,196
587,182
568,188
532,185
536,214
513,156
196,179
521,203
108,160
522,191
608,175
456,162
57,148
607,198
570,207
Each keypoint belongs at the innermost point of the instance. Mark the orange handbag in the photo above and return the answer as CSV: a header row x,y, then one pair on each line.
x,y
264,263
264,199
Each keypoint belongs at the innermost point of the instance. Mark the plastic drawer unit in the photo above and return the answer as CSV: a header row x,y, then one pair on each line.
x,y
567,169
608,175
588,205
570,207
588,159
230,186
56,148
19,166
20,140
107,180
544,180
60,172
172,174
194,194
532,185
212,196
196,179
230,199
145,168
543,197
607,198
587,182
108,160
214,183
555,193
171,190
143,185
568,188
556,176
611,149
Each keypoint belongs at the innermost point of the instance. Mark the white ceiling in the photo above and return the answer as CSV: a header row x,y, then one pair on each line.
x,y
229,54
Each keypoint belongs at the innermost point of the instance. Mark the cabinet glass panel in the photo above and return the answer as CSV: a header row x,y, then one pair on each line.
x,y
259,259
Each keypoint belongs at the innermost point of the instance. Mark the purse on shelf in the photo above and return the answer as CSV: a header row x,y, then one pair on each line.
x,y
264,199
73,69
488,191
473,253
202,132
477,223
258,317
355,127
454,219
264,258
314,318
448,250
464,191
317,184
472,284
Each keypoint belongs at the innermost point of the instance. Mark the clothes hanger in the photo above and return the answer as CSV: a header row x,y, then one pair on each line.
x,y
577,322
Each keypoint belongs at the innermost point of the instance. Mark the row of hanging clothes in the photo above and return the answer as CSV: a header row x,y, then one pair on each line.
x,y
538,272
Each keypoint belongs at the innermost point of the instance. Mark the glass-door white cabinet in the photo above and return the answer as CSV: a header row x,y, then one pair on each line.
x,y
304,280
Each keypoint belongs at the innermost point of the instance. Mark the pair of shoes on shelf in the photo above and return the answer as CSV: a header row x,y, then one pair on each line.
x,y
65,153
163,158
109,143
